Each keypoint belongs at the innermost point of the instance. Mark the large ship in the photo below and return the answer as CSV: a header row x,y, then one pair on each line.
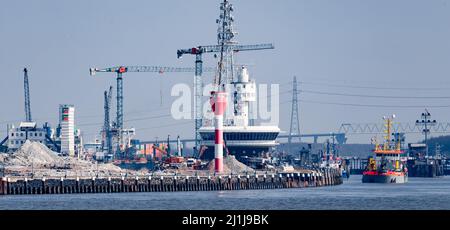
x,y
241,137
389,163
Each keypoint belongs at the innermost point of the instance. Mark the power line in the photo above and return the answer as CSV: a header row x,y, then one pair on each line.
x,y
373,96
369,105
152,127
91,116
167,125
136,119
374,87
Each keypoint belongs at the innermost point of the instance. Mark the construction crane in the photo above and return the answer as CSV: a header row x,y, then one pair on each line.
x,y
26,87
119,70
226,47
27,96
198,83
155,147
123,69
107,145
168,145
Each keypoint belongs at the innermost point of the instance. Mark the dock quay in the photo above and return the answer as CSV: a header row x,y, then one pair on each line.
x,y
431,167
20,186
356,165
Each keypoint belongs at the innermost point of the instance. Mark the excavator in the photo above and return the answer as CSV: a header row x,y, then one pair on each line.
x,y
203,148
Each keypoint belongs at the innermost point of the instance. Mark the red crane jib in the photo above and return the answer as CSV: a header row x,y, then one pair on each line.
x,y
122,70
194,51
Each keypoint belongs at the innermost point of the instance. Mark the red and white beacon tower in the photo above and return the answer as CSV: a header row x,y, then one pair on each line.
x,y
218,103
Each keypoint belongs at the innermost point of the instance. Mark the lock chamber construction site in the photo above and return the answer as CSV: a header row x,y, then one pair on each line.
x,y
229,149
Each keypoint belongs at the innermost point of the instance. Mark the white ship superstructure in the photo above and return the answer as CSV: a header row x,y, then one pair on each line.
x,y
241,138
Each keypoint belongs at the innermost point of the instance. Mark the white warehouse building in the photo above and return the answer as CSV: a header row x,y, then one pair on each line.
x,y
26,131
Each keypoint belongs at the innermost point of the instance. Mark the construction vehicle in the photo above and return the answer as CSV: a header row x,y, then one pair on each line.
x,y
203,148
174,162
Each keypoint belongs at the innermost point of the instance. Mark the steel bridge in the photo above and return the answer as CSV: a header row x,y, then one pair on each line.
x,y
340,138
398,127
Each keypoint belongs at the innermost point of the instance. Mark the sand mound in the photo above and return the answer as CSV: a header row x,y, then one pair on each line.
x,y
38,156
33,153
2,157
231,165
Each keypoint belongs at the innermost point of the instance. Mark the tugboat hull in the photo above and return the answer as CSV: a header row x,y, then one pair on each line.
x,y
395,179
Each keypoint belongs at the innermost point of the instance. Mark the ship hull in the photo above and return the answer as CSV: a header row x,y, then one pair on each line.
x,y
388,179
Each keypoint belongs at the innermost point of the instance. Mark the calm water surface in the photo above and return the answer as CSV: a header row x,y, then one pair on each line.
x,y
418,193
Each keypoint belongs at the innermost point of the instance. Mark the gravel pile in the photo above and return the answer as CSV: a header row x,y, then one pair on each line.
x,y
44,162
34,153
2,157
231,165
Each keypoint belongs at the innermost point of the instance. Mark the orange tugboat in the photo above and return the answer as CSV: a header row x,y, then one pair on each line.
x,y
388,165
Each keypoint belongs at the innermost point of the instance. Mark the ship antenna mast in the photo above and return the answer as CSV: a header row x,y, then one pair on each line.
x,y
388,130
225,35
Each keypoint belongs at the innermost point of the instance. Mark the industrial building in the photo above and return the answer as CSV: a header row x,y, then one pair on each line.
x,y
29,131
66,139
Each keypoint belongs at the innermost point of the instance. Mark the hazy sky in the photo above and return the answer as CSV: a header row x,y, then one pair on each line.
x,y
373,44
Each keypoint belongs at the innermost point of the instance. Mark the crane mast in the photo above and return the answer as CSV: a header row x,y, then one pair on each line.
x,y
107,147
119,97
225,35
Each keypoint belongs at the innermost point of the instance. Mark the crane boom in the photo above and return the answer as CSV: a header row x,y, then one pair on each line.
x,y
156,69
198,84
217,48
27,96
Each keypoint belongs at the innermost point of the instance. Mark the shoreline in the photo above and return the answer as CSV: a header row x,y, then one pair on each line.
x,y
174,183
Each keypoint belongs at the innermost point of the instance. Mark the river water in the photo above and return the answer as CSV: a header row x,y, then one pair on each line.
x,y
418,193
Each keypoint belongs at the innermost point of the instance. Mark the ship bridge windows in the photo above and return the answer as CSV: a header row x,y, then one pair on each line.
x,y
242,136
387,155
